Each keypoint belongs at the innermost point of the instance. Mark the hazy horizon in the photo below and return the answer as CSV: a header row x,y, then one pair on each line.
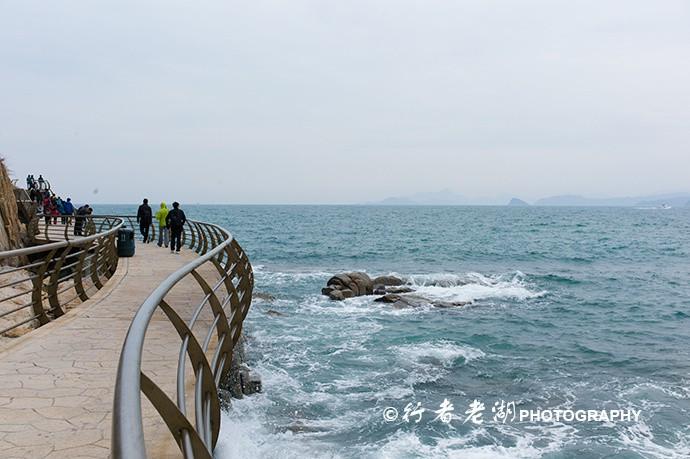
x,y
311,103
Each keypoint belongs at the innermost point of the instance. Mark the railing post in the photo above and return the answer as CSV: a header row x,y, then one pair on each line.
x,y
78,284
192,235
95,263
112,255
54,283
37,291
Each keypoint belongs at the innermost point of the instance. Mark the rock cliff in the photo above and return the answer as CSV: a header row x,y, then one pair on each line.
x,y
10,228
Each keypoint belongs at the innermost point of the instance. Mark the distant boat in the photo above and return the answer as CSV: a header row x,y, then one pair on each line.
x,y
665,206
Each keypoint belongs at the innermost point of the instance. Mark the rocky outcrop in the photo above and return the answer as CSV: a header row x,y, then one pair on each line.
x,y
348,285
393,289
240,380
11,236
416,301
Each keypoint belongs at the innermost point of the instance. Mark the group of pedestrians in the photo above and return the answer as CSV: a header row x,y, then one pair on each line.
x,y
53,207
32,183
170,224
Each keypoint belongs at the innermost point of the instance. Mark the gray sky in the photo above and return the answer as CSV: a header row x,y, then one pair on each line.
x,y
350,101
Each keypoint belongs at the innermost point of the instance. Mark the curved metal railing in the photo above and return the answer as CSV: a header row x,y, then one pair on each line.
x,y
228,301
67,227
37,283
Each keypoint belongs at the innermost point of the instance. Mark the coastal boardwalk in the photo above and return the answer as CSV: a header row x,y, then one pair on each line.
x,y
57,381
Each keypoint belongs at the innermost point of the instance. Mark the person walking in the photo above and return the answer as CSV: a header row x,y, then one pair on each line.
x,y
47,208
60,204
82,212
68,209
175,222
54,211
161,216
144,218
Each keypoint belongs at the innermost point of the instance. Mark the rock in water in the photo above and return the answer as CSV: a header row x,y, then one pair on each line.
x,y
274,313
336,295
414,301
347,285
388,281
264,296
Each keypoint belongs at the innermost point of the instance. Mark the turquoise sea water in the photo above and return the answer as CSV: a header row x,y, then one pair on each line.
x,y
573,308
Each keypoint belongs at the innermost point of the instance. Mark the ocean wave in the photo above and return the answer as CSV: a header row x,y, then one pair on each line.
x,y
640,438
526,445
443,353
473,287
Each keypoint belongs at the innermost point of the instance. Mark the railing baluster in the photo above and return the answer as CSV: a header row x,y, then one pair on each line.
x,y
217,246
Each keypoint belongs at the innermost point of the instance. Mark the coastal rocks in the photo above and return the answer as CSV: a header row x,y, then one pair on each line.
x,y
415,301
267,297
348,285
239,380
394,291
388,281
250,381
274,313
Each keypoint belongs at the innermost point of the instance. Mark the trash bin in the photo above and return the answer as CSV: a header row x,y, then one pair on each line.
x,y
125,242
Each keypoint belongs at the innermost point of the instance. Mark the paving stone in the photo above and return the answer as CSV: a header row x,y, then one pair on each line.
x,y
57,383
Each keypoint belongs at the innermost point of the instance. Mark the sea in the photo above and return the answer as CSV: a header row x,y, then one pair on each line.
x,y
571,310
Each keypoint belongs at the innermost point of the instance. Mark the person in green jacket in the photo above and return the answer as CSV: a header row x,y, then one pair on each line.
x,y
162,226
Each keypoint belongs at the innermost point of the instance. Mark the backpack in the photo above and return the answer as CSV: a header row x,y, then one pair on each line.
x,y
174,219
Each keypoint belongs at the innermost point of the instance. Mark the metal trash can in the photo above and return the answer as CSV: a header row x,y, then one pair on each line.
x,y
125,242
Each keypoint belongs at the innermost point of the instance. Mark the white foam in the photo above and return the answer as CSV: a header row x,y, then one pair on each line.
x,y
639,438
473,286
404,444
444,353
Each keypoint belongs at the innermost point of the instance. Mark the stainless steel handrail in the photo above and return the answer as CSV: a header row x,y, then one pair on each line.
x,y
46,272
215,246
46,229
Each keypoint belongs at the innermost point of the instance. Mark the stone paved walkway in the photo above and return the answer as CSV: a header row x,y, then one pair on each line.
x,y
56,383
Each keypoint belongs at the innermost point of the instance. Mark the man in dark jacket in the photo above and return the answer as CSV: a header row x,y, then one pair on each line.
x,y
144,218
80,219
175,221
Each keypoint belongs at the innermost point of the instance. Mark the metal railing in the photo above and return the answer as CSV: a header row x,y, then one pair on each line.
x,y
37,283
228,301
68,227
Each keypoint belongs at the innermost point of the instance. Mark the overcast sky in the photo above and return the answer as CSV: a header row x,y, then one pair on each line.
x,y
317,102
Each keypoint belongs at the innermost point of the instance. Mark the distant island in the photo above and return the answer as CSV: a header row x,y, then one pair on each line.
x,y
450,198
515,202
674,200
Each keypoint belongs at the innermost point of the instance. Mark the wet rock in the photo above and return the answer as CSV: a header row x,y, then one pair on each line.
x,y
336,295
251,381
274,313
399,289
388,281
231,381
264,296
403,301
388,298
301,427
415,301
348,284
380,290
451,304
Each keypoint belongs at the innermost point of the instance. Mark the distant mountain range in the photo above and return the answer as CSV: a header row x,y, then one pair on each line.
x,y
450,198
673,200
